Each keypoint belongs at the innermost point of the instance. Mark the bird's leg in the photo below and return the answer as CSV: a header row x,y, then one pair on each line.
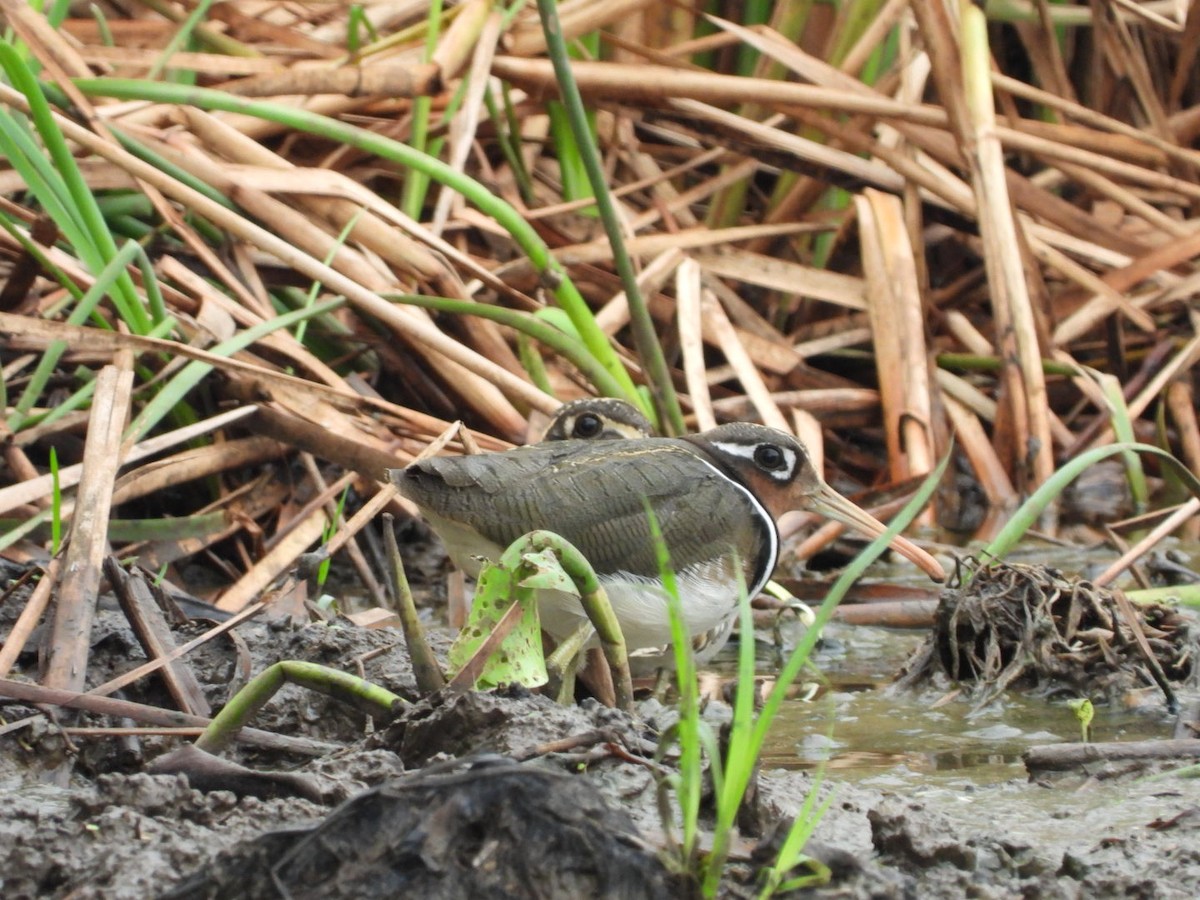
x,y
664,681
562,663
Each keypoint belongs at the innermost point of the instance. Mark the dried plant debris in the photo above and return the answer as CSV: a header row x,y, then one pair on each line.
x,y
1007,625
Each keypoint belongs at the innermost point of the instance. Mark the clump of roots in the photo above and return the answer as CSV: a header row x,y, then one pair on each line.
x,y
1005,625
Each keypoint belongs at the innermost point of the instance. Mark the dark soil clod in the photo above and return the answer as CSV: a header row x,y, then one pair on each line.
x,y
487,827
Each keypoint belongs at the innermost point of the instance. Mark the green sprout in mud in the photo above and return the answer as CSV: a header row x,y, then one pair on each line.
x,y
1084,713
500,644
489,651
55,505
331,528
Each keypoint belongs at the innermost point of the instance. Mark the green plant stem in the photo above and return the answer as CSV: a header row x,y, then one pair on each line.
x,y
129,530
508,135
1076,15
533,363
554,275
560,664
101,288
645,338
1122,426
180,38
1183,594
972,362
213,40
370,698
527,324
1028,513
425,665
595,603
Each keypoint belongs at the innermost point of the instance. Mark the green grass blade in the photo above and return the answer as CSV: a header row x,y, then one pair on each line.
x,y
28,159
571,168
791,854
100,246
179,39
741,758
195,371
800,655
83,395
1028,513
645,336
529,324
55,505
83,309
508,134
331,528
106,37
416,182
690,783
1123,429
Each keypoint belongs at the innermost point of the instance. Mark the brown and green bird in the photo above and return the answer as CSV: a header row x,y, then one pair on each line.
x,y
717,496
598,418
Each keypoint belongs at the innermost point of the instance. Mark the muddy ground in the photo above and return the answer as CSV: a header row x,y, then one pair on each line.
x,y
117,832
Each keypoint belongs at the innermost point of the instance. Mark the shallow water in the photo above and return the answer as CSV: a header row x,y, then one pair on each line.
x,y
964,763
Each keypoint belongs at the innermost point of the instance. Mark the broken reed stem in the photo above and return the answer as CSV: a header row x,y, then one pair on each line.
x,y
1003,252
140,712
70,634
898,327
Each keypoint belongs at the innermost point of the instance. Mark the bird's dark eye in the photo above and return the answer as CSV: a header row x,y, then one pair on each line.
x,y
770,457
587,425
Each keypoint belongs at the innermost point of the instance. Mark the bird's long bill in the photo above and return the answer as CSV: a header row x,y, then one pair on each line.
x,y
830,503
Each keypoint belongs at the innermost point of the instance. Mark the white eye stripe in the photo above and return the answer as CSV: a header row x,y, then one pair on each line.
x,y
746,451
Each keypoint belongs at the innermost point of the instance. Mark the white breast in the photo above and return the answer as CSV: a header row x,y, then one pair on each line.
x,y
641,606
709,598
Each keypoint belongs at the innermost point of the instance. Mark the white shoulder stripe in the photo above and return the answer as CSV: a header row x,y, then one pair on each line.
x,y
767,569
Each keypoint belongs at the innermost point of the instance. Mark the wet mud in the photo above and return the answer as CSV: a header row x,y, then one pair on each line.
x,y
503,794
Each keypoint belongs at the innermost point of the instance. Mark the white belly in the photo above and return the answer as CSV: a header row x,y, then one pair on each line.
x,y
642,609
708,600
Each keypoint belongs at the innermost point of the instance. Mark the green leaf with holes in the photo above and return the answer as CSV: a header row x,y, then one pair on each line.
x,y
542,570
519,658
